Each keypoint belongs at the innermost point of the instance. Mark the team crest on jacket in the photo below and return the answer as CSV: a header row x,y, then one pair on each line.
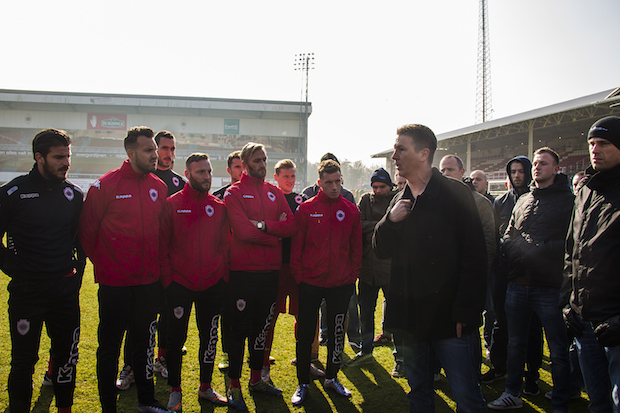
x,y
23,327
178,312
68,193
340,215
299,199
241,304
209,210
153,193
271,196
175,181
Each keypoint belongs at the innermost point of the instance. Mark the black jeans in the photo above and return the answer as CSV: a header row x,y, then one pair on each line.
x,y
31,303
133,309
179,300
337,302
251,304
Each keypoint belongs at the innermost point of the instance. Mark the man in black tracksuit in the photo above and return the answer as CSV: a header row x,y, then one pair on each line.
x,y
40,214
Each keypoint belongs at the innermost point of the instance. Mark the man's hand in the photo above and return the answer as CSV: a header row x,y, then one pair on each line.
x,y
254,222
608,332
572,322
459,329
282,217
400,211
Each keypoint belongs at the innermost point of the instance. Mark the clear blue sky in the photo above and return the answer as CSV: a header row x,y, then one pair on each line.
x,y
378,64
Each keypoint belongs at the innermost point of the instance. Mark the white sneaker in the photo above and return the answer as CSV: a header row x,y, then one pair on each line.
x,y
161,366
125,378
335,385
506,402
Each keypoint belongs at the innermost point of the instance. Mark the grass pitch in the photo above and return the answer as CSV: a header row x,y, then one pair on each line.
x,y
374,390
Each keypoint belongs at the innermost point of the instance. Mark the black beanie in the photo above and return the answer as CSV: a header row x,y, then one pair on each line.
x,y
381,175
607,128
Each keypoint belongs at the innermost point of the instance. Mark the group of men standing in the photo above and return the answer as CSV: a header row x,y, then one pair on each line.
x,y
150,238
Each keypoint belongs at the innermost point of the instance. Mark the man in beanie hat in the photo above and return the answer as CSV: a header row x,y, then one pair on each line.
x,y
375,272
593,250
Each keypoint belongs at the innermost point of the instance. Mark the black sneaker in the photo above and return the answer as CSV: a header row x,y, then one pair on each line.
x,y
531,388
492,375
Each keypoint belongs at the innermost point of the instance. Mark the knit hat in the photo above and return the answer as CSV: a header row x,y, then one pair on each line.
x,y
607,128
381,175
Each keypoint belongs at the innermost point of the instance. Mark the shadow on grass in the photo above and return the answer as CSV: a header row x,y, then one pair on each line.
x,y
44,401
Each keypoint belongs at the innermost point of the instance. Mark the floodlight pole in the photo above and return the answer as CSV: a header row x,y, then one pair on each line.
x,y
304,62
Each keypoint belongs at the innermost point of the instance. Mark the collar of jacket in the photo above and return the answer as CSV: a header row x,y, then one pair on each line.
x,y
598,180
560,184
325,199
44,183
247,179
189,191
128,172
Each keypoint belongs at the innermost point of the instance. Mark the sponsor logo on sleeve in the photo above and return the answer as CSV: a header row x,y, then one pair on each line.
x,y
97,184
340,215
153,194
209,210
68,193
10,191
271,196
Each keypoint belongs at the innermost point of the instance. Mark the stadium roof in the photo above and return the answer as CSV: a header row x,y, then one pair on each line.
x,y
554,120
146,104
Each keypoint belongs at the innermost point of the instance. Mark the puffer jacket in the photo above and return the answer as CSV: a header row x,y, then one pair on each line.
x,y
534,240
375,271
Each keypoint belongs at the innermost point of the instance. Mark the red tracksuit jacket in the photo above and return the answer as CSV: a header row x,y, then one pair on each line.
x,y
252,249
119,227
195,240
327,250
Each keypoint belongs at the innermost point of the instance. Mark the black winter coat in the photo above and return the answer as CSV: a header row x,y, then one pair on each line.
x,y
593,247
534,240
439,262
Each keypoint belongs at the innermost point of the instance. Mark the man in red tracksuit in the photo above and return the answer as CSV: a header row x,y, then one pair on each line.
x,y
119,230
194,254
260,217
326,257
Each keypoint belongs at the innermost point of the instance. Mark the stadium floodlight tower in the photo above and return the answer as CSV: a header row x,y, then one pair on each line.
x,y
304,62
484,108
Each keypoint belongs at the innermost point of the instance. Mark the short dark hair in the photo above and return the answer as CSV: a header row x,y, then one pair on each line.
x,y
422,137
48,138
331,156
550,151
249,149
328,166
284,164
132,135
232,156
163,134
195,157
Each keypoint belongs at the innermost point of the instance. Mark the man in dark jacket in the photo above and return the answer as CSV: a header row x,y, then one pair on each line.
x,y
593,247
39,212
437,293
375,272
519,171
534,248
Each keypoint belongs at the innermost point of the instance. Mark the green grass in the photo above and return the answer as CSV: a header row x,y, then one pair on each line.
x,y
374,390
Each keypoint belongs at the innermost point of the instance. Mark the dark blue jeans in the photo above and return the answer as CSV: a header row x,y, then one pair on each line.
x,y
594,367
460,358
613,357
521,302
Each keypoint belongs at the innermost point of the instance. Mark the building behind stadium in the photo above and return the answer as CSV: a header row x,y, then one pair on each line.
x,y
97,124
